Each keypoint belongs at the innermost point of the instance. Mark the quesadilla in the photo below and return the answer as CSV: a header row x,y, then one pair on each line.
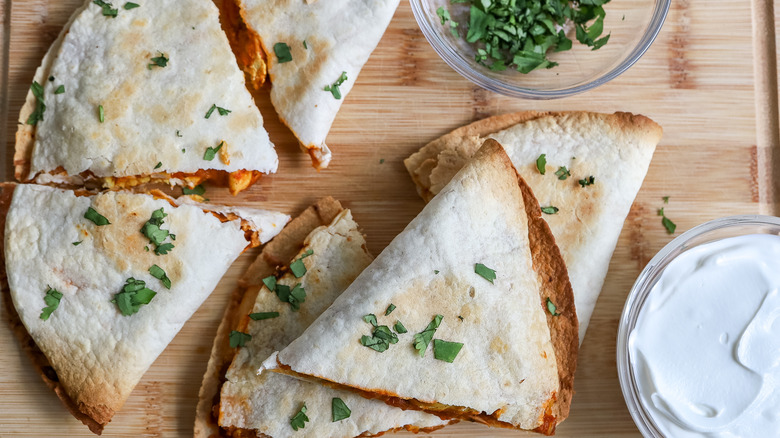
x,y
151,93
238,402
98,286
313,51
467,314
586,168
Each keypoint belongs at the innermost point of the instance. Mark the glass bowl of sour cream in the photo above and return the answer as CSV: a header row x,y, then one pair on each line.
x,y
698,346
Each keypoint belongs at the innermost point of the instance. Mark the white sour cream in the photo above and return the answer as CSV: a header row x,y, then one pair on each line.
x,y
706,346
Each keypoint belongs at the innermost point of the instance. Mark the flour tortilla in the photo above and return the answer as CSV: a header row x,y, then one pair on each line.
x,y
96,354
615,149
517,363
262,405
340,36
152,114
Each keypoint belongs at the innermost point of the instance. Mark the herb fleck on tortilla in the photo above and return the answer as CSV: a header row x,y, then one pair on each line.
x,y
219,109
445,350
158,273
334,88
157,235
562,173
282,51
380,339
298,268
399,327
60,90
589,181
371,319
134,294
541,163
158,61
108,8
238,339
550,210
77,243
422,339
389,309
485,272
270,283
552,308
52,300
131,5
212,152
40,107
259,316
339,409
299,420
101,114
96,217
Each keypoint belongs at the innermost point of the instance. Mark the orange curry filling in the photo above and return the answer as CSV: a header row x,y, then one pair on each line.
x,y
245,43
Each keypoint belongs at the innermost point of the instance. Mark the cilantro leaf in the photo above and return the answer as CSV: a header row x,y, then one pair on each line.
x,y
101,114
270,283
589,181
298,421
381,337
259,316
339,409
389,309
485,272
40,106
562,173
550,210
96,217
77,243
134,294
130,5
197,190
541,163
371,319
163,249
212,152
445,350
399,328
666,199
552,308
60,90
158,273
52,300
334,88
422,339
669,225
159,165
238,339
158,61
108,8
156,235
220,110
282,51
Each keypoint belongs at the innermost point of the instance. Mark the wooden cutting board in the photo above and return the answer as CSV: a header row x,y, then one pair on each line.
x,y
704,80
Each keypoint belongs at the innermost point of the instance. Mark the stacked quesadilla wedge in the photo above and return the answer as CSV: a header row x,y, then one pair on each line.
x,y
467,314
150,93
585,168
98,286
323,252
314,51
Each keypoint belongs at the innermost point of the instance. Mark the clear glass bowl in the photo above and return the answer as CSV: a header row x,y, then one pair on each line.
x,y
633,24
705,233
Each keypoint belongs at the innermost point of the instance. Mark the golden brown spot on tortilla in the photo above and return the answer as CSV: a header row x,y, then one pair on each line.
x,y
498,345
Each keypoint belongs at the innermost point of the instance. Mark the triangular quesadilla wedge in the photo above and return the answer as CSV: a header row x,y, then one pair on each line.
x,y
145,94
98,286
479,285
331,256
314,51
595,165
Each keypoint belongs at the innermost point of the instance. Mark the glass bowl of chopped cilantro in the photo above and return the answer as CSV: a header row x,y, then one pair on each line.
x,y
540,49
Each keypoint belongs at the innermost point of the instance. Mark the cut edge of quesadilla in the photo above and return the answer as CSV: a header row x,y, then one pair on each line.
x,y
563,327
236,181
94,417
277,252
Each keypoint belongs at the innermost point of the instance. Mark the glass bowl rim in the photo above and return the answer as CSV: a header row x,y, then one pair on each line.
x,y
451,57
638,294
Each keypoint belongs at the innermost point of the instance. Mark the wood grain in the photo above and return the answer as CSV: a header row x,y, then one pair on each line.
x,y
697,81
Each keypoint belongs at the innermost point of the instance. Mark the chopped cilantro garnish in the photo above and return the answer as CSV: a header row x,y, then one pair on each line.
x,y
339,409
108,8
238,339
551,308
178,134
158,273
485,272
158,61
371,319
380,338
389,309
294,296
197,190
131,5
134,294
666,199
444,16
399,328
298,268
212,152
159,165
259,316
666,222
77,243
541,163
270,283
220,110
445,350
550,210
587,181
96,217
60,89
52,300
334,88
436,271
422,339
305,46
298,421
155,234
101,114
40,106
282,51
562,173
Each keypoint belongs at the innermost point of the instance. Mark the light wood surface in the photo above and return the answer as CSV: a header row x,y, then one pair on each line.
x,y
697,81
